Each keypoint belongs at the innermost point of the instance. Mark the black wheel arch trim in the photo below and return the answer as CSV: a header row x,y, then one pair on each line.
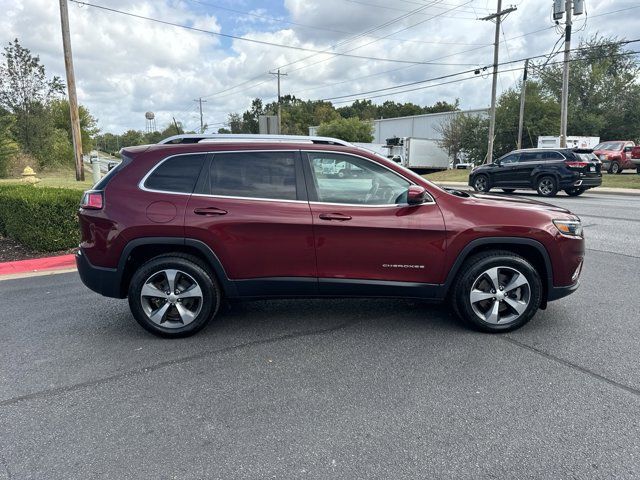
x,y
228,287
481,242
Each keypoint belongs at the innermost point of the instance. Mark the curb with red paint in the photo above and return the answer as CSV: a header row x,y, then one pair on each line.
x,y
61,262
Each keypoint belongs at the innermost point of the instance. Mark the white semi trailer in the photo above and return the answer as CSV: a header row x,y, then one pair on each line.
x,y
419,154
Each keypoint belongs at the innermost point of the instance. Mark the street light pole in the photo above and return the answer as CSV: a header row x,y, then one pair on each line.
x,y
71,89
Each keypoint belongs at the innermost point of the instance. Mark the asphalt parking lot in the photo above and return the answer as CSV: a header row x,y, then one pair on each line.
x,y
330,389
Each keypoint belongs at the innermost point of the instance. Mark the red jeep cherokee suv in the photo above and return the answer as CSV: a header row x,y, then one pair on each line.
x,y
178,227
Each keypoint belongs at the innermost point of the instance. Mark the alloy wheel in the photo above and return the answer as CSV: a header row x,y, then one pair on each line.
x,y
500,295
171,298
481,184
546,186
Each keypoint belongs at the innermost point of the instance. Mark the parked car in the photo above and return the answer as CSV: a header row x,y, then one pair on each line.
x,y
635,158
546,170
177,228
615,155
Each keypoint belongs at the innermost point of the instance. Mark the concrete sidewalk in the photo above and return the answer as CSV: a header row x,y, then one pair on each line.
x,y
600,190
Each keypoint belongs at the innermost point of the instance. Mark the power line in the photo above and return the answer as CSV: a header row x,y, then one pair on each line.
x,y
350,39
306,26
347,41
244,39
623,42
465,79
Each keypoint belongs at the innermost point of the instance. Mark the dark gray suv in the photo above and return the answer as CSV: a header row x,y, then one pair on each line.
x,y
545,170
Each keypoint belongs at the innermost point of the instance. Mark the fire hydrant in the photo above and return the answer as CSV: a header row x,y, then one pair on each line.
x,y
29,176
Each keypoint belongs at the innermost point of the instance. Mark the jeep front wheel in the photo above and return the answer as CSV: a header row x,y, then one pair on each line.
x,y
497,291
173,296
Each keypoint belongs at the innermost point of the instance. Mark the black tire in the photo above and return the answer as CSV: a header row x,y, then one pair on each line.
x,y
547,186
481,183
638,169
198,310
472,272
614,168
574,192
508,190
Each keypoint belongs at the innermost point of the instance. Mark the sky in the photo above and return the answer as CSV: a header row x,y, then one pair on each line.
x,y
126,65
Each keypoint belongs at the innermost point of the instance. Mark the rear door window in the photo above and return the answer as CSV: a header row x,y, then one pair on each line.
x,y
267,175
176,174
552,155
531,157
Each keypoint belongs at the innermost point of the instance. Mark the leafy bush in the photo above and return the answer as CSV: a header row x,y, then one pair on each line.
x,y
42,219
348,129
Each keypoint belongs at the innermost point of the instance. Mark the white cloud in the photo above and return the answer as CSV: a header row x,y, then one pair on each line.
x,y
126,66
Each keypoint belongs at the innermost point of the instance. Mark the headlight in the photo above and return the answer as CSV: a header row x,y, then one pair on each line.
x,y
571,228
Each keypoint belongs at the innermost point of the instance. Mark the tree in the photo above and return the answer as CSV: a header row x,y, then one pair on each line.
x,y
25,91
541,117
131,138
61,119
8,147
348,129
466,134
603,90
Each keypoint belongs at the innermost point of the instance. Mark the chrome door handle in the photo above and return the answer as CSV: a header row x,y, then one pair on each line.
x,y
334,216
209,211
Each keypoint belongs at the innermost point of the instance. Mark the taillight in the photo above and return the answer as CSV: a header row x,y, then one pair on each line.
x,y
577,164
92,200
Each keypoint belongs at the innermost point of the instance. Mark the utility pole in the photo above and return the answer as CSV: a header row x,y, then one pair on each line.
x,y
200,101
494,85
71,89
523,92
278,74
564,103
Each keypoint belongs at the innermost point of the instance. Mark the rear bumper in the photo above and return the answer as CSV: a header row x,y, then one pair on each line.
x,y
581,182
105,281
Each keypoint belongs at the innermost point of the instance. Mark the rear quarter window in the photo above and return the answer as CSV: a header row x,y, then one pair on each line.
x,y
104,181
177,174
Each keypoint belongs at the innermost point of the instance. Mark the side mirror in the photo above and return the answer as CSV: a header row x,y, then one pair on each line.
x,y
416,195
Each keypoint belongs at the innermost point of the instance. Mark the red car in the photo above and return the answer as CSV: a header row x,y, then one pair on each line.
x,y
635,158
176,228
615,155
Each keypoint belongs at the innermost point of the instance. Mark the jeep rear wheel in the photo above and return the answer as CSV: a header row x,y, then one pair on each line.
x,y
173,296
497,291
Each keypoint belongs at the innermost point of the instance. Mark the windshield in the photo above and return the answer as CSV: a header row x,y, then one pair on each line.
x,y
587,157
609,146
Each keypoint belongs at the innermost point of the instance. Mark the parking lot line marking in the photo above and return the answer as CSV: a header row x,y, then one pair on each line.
x,y
571,365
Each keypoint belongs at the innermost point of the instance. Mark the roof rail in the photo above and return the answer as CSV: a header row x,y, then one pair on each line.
x,y
242,137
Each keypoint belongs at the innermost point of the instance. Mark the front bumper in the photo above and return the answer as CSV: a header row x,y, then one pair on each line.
x,y
560,292
105,281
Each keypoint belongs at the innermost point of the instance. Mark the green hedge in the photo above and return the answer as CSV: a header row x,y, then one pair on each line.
x,y
42,219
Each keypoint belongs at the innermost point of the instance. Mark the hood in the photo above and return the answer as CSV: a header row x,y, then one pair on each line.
x,y
498,200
